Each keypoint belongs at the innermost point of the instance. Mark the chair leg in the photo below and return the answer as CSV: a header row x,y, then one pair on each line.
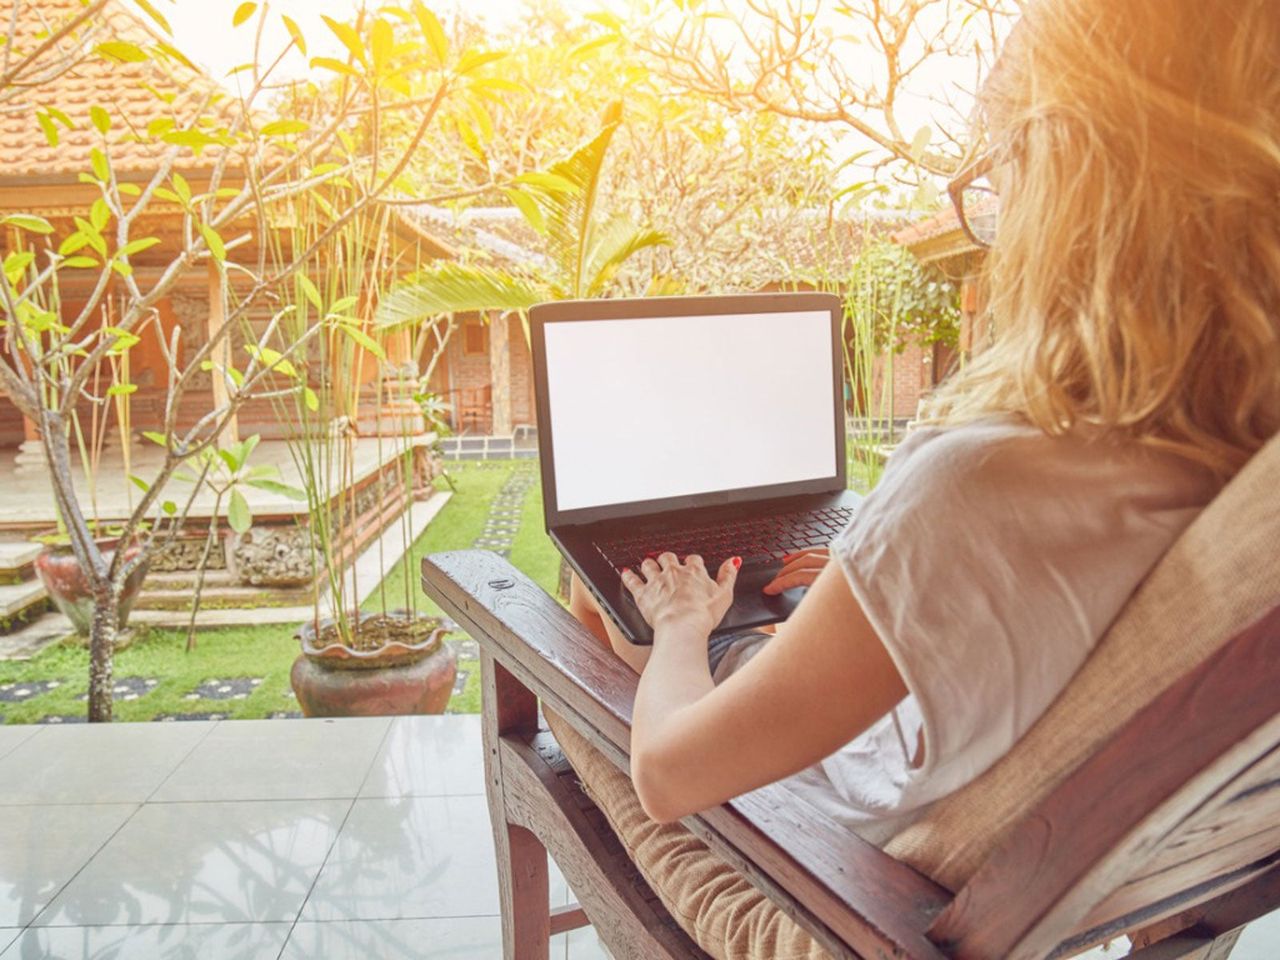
x,y
524,895
523,892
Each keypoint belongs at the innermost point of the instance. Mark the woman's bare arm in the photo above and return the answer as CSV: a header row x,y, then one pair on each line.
x,y
824,678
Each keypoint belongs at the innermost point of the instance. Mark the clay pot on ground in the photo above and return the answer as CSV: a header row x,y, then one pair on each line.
x,y
397,664
60,572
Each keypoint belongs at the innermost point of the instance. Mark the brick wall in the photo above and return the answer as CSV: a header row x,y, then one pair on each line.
x,y
522,405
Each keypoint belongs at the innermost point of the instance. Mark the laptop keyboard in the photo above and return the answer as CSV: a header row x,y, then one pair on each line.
x,y
762,541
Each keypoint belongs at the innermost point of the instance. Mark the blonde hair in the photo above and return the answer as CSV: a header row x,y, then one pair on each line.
x,y
1135,279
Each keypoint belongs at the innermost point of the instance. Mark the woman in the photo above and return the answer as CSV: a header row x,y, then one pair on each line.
x,y
1134,282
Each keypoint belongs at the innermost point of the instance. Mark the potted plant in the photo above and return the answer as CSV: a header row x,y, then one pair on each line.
x,y
377,654
70,589
388,663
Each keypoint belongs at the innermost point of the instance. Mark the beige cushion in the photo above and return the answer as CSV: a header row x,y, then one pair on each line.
x,y
716,905
1219,577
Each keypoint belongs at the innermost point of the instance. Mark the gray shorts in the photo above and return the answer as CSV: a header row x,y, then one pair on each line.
x,y
719,646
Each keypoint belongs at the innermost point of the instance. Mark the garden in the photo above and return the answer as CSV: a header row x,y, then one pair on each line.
x,y
255,312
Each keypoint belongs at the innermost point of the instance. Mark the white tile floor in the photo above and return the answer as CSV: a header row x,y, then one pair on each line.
x,y
252,839
280,840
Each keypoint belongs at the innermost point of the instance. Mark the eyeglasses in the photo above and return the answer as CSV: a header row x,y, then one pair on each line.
x,y
976,201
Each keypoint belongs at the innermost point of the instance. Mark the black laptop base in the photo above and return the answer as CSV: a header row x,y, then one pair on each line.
x,y
580,544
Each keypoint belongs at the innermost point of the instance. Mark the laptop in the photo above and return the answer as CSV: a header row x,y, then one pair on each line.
x,y
708,425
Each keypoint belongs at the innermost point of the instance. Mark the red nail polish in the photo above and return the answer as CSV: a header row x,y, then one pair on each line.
x,y
626,569
737,561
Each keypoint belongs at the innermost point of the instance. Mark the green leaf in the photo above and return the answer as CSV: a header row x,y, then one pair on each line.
x,y
137,246
295,33
100,118
920,142
239,516
46,124
99,214
548,182
279,128
310,398
159,439
146,7
475,59
28,222
15,263
337,66
362,338
169,507
275,486
382,45
129,189
343,304
216,247
72,242
310,292
164,193
455,288
121,51
98,160
140,483
80,262
121,389
229,459
432,32
122,268
350,39
243,13
184,189
529,208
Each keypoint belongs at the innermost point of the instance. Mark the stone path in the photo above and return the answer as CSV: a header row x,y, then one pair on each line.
x,y
503,522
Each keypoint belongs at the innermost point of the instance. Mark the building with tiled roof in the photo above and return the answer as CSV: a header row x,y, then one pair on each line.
x,y
940,243
144,98
116,64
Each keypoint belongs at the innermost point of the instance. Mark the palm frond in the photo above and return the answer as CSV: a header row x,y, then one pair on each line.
x,y
611,245
569,213
456,288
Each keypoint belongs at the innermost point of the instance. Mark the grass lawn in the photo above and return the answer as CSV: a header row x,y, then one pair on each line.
x,y
266,653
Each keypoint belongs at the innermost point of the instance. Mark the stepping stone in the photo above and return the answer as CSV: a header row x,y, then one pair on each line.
x,y
466,649
129,688
22,692
460,681
236,688
56,718
285,715
174,717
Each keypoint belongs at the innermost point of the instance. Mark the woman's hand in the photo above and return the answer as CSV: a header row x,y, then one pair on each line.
x,y
671,593
799,570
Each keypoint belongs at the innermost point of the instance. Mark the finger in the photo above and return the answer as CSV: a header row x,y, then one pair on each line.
x,y
811,552
728,573
631,580
804,563
667,560
695,561
801,578
650,568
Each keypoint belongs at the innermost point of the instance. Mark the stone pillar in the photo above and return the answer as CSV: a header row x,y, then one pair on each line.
x,y
500,374
222,352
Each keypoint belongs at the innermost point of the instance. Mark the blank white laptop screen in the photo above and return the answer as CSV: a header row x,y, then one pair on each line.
x,y
660,407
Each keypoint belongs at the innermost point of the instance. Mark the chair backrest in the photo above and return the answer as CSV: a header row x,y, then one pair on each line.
x,y
1178,809
1220,577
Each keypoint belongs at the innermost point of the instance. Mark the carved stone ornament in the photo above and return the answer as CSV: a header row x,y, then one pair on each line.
x,y
274,556
183,556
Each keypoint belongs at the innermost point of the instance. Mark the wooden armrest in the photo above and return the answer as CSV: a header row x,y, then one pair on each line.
x,y
796,855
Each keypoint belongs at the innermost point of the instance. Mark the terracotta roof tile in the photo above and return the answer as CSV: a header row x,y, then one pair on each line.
x,y
176,93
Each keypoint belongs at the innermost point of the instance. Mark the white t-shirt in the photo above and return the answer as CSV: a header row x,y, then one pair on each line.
x,y
990,560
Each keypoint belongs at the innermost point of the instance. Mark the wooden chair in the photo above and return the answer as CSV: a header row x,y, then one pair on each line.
x,y
1169,833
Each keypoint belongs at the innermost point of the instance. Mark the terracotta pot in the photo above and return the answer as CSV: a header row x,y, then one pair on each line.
x,y
68,587
397,677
